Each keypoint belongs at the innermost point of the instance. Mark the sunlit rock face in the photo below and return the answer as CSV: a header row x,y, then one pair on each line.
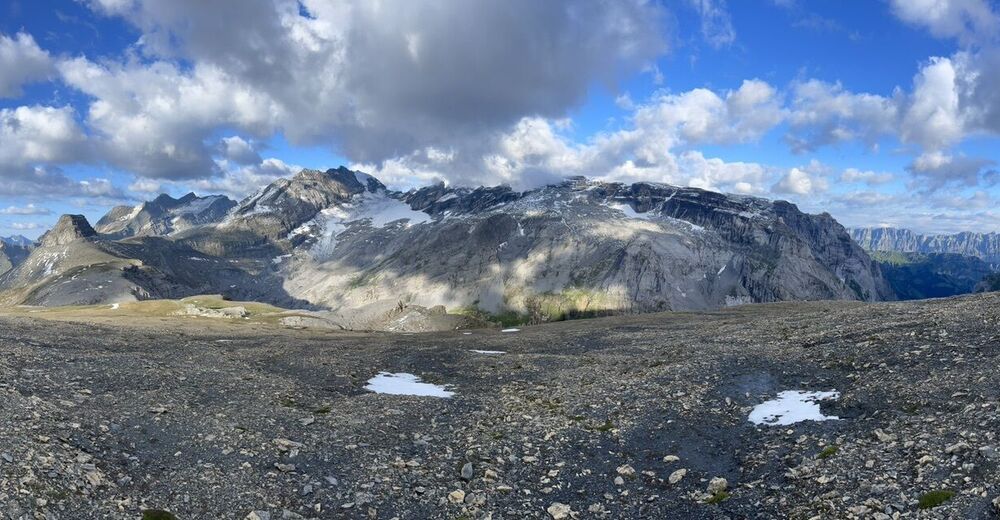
x,y
339,240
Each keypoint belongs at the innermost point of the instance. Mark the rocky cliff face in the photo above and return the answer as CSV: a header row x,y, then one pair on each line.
x,y
981,245
340,240
574,249
164,215
69,228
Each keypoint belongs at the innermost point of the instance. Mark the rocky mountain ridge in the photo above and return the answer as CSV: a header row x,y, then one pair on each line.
x,y
339,240
164,215
981,245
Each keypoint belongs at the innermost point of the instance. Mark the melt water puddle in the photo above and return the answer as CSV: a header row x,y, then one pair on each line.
x,y
405,384
792,406
489,352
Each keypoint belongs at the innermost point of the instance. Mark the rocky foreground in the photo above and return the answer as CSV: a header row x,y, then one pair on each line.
x,y
630,417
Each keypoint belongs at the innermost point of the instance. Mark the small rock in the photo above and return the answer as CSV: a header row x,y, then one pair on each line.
x,y
619,481
467,471
676,476
884,437
559,511
955,448
671,458
717,485
258,515
626,470
457,496
284,468
926,459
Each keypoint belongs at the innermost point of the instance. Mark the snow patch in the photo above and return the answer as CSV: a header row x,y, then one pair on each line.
x,y
792,406
375,208
511,330
631,213
405,384
115,306
489,352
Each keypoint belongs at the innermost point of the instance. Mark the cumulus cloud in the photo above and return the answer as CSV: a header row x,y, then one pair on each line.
x,y
377,81
936,169
239,150
22,61
966,20
33,140
825,113
808,180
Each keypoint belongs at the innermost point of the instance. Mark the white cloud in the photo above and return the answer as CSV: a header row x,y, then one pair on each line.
x,y
808,180
239,181
716,24
145,186
22,61
825,113
966,20
29,209
238,150
935,169
373,80
869,177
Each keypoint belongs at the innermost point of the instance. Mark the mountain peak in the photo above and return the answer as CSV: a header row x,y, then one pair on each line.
x,y
68,229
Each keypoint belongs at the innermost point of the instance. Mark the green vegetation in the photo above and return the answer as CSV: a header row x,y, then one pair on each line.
x,y
935,498
718,497
569,304
828,452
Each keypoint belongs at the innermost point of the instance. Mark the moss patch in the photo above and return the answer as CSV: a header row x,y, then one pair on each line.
x,y
935,498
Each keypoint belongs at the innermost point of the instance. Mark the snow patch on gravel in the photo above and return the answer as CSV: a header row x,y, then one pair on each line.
x,y
405,384
511,330
489,352
792,406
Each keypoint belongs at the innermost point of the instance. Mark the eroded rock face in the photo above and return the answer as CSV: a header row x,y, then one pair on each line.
x,y
68,229
579,249
981,245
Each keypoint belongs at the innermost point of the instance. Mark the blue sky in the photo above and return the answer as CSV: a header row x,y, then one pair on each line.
x,y
879,113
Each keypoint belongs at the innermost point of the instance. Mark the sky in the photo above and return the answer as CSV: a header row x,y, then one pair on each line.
x,y
881,113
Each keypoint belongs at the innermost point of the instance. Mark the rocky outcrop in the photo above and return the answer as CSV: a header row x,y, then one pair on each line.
x,y
164,216
69,228
981,245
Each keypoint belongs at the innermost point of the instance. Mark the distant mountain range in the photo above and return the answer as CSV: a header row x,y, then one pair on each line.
x,y
17,240
341,243
985,246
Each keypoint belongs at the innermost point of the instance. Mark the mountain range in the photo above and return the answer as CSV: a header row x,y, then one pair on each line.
x,y
339,243
985,246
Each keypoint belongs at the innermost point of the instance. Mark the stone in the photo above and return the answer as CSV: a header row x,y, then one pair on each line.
x,y
717,485
258,515
676,476
467,471
626,470
457,496
559,511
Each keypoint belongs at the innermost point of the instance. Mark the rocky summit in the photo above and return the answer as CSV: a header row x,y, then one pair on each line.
x,y
338,242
